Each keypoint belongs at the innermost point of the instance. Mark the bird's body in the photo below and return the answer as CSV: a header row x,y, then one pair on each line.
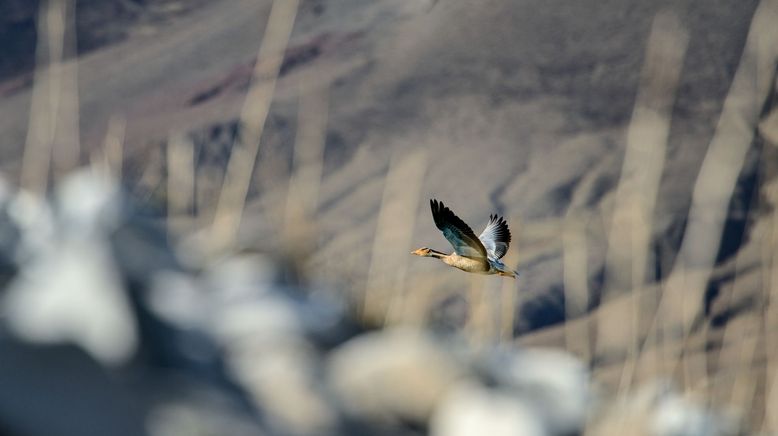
x,y
468,264
475,254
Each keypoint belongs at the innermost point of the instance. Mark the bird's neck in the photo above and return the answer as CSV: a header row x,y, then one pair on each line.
x,y
437,254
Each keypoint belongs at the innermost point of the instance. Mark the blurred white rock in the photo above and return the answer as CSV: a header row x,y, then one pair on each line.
x,y
68,288
176,297
471,409
87,201
678,416
33,217
283,381
392,375
267,318
656,408
247,298
242,304
241,276
198,417
554,382
264,337
72,293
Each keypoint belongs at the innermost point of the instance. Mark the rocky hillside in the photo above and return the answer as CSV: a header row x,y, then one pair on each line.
x,y
98,23
521,108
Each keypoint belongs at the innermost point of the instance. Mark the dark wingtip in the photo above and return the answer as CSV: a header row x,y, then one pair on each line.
x,y
436,207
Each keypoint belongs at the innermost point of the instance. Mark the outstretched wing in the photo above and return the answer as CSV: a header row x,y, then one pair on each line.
x,y
459,234
496,237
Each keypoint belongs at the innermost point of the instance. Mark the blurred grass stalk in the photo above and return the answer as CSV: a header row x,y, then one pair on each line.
x,y
240,168
723,162
576,277
629,238
152,176
54,106
510,291
302,196
180,182
742,337
630,233
385,294
770,285
113,146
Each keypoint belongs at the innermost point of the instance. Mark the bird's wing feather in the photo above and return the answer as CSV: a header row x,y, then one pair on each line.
x,y
459,234
496,237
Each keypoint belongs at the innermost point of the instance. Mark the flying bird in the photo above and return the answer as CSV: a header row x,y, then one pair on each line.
x,y
476,254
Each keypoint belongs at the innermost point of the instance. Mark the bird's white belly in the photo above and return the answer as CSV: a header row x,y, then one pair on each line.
x,y
468,264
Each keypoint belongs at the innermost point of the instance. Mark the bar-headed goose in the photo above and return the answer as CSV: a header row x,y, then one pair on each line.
x,y
476,254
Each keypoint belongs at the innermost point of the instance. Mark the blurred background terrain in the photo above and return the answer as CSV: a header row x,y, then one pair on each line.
x,y
272,163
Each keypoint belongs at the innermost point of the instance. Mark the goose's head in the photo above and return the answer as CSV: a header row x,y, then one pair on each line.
x,y
423,252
